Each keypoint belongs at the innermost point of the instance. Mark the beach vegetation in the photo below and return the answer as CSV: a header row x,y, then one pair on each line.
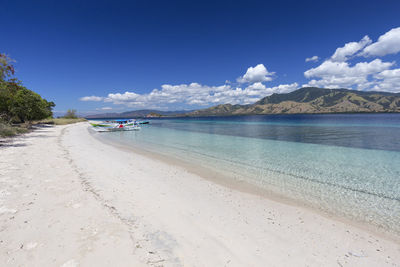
x,y
71,114
60,121
18,104
7,130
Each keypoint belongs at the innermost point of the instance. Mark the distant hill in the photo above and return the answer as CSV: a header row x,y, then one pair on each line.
x,y
304,100
311,100
136,114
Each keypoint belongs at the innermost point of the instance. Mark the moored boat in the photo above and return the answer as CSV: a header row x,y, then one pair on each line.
x,y
116,125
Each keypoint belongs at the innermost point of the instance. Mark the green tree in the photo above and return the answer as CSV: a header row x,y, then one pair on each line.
x,y
71,114
6,68
28,105
17,103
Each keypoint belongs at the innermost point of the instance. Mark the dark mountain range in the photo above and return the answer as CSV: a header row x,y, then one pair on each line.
x,y
304,100
311,100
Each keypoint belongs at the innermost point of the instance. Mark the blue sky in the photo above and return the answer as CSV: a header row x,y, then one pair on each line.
x,y
197,53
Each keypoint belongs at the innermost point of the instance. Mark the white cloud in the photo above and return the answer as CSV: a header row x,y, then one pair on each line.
x,y
312,59
349,49
342,74
91,98
256,86
104,108
388,43
255,74
195,94
335,72
118,97
260,90
389,80
338,71
284,88
330,68
189,94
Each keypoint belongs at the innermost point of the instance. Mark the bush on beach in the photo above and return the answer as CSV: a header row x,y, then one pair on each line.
x,y
17,103
19,106
71,114
7,130
60,121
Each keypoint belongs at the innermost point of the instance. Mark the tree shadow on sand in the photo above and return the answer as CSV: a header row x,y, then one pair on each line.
x,y
36,131
11,143
42,126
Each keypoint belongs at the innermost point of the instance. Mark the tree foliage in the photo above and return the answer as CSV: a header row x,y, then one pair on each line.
x,y
71,114
17,103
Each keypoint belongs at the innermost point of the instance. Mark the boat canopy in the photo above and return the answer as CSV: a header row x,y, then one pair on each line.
x,y
123,121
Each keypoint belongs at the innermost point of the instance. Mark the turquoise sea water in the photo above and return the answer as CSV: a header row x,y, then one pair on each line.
x,y
348,165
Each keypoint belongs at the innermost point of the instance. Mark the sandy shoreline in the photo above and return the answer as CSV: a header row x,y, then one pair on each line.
x,y
68,199
243,186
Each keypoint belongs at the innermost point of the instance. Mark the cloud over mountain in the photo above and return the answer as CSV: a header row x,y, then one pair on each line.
x,y
343,53
195,94
255,74
388,43
356,65
338,71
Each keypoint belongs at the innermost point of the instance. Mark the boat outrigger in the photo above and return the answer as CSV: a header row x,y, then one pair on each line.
x,y
116,125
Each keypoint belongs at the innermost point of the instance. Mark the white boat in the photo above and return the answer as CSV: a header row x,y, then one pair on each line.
x,y
116,125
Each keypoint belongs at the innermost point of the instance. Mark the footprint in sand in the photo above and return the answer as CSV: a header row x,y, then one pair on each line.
x,y
76,206
70,263
31,245
7,210
4,194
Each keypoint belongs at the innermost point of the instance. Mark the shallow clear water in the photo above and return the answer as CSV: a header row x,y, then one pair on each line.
x,y
348,165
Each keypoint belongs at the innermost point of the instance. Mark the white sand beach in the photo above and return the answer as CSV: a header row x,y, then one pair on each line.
x,y
68,199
